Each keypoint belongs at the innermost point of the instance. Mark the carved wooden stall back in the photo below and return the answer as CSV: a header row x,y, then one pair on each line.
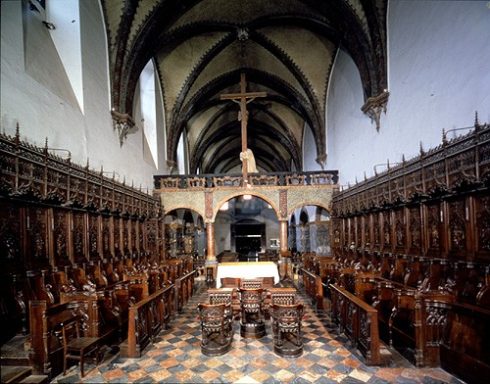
x,y
422,228
67,237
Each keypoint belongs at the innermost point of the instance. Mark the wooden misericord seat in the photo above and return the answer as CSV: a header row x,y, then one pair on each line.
x,y
252,316
286,329
216,327
76,346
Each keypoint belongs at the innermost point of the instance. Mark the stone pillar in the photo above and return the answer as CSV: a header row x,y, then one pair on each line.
x,y
285,259
211,264
210,246
283,236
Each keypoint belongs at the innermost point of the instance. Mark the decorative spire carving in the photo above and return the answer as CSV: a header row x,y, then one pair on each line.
x,y
375,105
123,123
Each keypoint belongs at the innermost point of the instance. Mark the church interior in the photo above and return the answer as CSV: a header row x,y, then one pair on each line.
x,y
240,191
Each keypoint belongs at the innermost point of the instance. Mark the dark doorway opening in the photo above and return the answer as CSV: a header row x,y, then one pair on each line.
x,y
249,239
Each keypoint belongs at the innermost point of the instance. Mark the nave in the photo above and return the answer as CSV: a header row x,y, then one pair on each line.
x,y
175,357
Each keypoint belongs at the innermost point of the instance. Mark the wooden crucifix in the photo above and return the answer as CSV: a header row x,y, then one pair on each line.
x,y
243,98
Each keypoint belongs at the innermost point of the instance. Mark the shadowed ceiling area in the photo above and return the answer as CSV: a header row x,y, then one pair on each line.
x,y
286,48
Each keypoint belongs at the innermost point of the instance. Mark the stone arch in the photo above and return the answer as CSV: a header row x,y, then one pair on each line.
x,y
167,210
291,209
220,202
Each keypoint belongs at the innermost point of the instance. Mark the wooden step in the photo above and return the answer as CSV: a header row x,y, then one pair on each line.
x,y
14,374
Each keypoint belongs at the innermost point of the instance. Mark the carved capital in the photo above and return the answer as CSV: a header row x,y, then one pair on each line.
x,y
375,105
123,123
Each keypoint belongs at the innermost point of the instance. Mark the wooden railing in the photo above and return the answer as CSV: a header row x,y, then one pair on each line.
x,y
205,181
314,288
146,319
359,322
184,288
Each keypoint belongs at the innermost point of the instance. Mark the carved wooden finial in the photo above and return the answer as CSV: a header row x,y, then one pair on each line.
x,y
444,136
477,123
422,152
86,167
403,159
101,170
388,163
17,134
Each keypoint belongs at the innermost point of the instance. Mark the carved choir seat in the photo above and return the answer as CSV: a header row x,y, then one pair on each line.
x,y
252,316
226,296
75,346
286,329
279,295
216,328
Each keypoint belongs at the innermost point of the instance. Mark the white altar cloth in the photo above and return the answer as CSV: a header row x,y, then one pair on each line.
x,y
247,270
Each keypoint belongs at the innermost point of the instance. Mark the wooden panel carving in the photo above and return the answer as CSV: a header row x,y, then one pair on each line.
x,y
93,237
483,227
386,217
78,235
60,238
400,231
415,231
10,235
36,238
106,238
434,230
457,228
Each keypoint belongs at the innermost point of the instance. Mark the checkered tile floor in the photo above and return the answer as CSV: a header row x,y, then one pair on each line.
x,y
176,357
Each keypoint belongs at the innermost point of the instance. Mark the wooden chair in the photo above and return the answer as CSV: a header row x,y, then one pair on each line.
x,y
75,346
252,317
279,295
216,328
286,329
226,296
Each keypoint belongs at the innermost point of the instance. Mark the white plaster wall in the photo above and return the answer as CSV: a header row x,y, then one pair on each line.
x,y
40,113
309,152
439,75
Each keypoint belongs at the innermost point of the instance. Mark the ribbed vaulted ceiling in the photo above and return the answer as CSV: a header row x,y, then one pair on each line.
x,y
285,48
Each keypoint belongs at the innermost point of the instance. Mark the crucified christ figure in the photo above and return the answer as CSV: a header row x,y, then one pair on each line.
x,y
244,97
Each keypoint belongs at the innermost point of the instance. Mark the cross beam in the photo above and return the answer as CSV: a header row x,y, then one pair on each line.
x,y
243,98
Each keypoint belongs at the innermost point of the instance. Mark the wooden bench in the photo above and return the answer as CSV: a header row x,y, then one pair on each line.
x,y
358,321
313,287
184,289
145,320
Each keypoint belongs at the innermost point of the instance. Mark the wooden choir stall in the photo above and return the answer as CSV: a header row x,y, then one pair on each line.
x,y
410,266
78,246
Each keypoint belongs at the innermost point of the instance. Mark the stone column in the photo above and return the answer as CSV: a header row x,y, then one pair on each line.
x,y
283,236
211,264
285,259
210,245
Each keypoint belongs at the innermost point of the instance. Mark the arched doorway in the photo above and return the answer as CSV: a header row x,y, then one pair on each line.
x,y
310,230
184,233
248,226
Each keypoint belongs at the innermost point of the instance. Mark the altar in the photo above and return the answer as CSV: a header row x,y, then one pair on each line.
x,y
247,270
